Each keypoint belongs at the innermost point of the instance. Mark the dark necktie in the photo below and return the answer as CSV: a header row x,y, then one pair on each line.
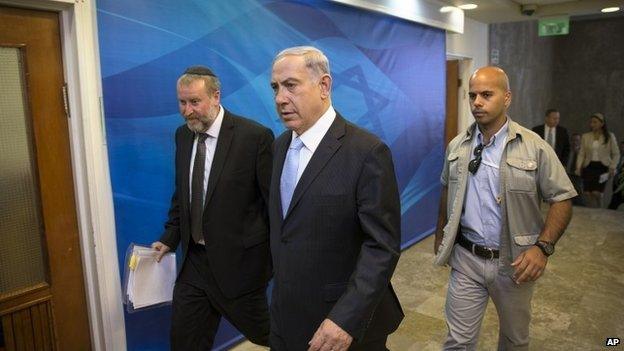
x,y
197,188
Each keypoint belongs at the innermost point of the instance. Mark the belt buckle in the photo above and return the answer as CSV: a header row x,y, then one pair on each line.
x,y
491,253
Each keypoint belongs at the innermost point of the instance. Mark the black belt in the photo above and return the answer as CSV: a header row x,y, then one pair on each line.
x,y
478,250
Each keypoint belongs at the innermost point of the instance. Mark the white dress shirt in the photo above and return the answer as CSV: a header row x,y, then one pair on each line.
x,y
211,145
312,137
547,130
595,146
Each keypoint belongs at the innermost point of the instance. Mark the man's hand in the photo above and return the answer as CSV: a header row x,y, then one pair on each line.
x,y
161,249
529,265
330,337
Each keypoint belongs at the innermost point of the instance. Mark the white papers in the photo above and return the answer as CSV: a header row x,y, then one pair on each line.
x,y
150,282
603,177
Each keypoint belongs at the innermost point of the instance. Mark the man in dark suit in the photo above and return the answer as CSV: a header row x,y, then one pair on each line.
x,y
335,219
555,135
219,215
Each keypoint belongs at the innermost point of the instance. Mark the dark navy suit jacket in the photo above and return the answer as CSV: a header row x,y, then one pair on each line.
x,y
337,247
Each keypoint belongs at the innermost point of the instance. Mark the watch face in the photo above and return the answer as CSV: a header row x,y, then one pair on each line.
x,y
546,247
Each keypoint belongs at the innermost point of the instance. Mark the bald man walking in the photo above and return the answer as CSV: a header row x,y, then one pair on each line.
x,y
490,228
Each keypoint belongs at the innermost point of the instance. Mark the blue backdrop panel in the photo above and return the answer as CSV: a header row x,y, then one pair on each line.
x,y
389,77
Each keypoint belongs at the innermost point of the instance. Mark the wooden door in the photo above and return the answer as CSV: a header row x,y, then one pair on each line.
x,y
42,294
452,91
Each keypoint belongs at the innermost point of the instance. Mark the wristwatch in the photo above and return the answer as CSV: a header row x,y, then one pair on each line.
x,y
547,247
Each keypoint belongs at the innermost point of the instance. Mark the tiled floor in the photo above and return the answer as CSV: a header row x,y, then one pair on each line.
x,y
577,304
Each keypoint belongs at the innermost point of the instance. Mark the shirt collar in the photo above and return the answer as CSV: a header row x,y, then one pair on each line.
x,y
500,135
312,137
214,129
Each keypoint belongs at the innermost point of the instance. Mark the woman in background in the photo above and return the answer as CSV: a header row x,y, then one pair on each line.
x,y
597,159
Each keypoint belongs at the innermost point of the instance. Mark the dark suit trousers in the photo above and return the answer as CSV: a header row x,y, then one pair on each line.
x,y
198,305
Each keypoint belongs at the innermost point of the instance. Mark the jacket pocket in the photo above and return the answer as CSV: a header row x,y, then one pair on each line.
x,y
526,239
453,166
522,174
330,199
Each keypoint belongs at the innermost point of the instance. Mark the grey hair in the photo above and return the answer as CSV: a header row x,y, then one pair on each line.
x,y
315,59
211,83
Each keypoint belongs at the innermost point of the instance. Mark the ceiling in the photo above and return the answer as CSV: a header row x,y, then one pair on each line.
x,y
496,11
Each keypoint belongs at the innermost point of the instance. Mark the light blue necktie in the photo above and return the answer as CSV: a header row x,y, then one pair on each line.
x,y
289,173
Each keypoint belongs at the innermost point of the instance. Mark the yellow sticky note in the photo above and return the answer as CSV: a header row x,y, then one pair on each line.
x,y
134,259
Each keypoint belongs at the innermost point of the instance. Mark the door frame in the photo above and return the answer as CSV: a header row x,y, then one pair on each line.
x,y
89,156
466,68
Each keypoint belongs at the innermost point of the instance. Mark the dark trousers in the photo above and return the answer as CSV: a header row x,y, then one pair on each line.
x,y
198,305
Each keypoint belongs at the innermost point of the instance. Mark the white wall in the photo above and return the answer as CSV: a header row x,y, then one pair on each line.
x,y
471,48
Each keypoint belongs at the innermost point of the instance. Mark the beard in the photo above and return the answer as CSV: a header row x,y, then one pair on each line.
x,y
201,123
198,125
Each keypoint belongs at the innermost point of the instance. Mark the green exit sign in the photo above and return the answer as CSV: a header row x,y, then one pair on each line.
x,y
553,26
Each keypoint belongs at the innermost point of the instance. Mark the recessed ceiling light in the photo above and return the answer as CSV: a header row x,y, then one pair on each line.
x,y
446,9
610,9
467,6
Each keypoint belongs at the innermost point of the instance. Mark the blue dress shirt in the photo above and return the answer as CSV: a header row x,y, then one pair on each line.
x,y
481,220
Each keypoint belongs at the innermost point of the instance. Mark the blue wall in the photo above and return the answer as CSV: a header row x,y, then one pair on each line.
x,y
389,77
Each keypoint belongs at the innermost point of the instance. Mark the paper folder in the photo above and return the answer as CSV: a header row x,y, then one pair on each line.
x,y
148,283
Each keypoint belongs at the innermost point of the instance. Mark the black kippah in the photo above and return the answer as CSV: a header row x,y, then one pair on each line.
x,y
199,70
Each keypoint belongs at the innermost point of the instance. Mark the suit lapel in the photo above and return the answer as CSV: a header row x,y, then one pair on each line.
x,y
185,149
327,148
279,157
223,146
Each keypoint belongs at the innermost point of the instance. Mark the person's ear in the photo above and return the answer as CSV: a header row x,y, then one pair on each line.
x,y
325,85
507,98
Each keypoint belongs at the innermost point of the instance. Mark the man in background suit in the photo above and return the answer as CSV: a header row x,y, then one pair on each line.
x,y
555,135
335,219
219,215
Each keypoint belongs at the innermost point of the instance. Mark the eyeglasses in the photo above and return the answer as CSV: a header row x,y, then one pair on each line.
x,y
474,164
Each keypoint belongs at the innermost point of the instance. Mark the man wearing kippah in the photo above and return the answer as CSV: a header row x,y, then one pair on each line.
x,y
218,214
